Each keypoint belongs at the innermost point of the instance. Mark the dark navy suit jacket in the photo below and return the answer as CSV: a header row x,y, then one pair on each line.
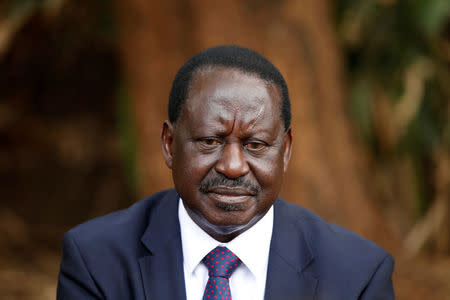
x,y
136,254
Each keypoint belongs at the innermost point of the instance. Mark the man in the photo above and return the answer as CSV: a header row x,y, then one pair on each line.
x,y
223,232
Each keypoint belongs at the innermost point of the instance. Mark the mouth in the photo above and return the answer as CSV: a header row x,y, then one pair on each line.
x,y
230,195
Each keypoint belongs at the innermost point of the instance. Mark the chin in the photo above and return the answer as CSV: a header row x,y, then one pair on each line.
x,y
234,221
227,207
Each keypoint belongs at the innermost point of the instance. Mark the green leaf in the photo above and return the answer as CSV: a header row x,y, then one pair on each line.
x,y
432,15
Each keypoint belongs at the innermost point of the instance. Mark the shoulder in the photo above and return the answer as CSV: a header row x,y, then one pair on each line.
x,y
121,227
342,258
101,257
324,237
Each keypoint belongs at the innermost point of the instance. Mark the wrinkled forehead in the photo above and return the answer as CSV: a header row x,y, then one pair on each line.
x,y
227,94
213,85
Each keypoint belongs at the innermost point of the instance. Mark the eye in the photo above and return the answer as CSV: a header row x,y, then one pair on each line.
x,y
254,145
209,142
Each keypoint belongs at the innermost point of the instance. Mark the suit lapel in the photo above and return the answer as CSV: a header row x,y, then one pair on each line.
x,y
162,269
290,255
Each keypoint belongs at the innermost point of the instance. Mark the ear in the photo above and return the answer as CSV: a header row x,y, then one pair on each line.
x,y
287,149
167,142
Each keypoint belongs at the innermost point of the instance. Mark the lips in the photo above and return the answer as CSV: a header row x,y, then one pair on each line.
x,y
231,195
230,191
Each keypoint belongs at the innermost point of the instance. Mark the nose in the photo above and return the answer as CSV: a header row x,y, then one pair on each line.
x,y
232,162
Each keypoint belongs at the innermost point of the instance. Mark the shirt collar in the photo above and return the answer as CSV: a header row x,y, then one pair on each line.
x,y
195,242
252,246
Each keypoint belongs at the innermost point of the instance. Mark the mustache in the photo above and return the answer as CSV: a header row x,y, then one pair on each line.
x,y
221,180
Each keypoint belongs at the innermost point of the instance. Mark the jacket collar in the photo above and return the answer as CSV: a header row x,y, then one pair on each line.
x,y
289,259
162,269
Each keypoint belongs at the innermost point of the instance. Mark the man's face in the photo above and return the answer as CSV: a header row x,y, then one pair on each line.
x,y
228,150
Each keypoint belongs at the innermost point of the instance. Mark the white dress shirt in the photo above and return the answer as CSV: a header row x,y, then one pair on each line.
x,y
248,281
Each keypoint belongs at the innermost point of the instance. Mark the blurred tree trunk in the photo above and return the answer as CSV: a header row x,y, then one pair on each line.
x,y
327,172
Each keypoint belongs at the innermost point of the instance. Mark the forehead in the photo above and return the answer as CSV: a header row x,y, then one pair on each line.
x,y
230,90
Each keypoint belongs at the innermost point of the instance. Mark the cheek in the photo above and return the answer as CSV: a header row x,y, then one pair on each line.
x,y
268,173
191,166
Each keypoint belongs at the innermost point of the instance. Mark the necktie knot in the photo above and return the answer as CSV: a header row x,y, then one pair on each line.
x,y
221,262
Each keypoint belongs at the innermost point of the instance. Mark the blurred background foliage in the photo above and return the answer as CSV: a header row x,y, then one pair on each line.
x,y
400,49
69,142
397,58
